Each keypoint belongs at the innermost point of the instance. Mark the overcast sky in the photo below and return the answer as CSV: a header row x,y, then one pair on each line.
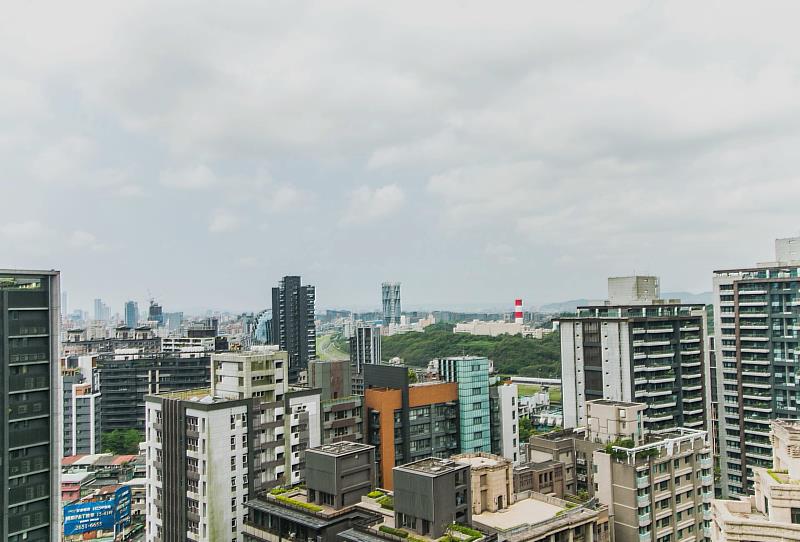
x,y
474,151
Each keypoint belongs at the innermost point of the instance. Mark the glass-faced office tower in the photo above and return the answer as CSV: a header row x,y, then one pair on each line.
x,y
30,441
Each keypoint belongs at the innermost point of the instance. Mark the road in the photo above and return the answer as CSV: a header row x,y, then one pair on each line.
x,y
327,350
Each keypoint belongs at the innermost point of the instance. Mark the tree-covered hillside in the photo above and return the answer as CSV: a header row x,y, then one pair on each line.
x,y
511,354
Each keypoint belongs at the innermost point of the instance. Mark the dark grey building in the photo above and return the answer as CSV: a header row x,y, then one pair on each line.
x,y
155,313
431,494
125,380
30,442
338,475
293,326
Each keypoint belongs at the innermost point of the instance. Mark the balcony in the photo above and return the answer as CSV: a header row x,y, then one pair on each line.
x,y
645,520
641,483
645,537
706,463
642,500
707,480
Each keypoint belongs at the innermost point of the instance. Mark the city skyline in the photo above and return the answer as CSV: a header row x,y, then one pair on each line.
x,y
558,148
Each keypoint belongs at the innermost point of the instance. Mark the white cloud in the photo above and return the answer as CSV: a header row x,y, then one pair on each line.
x,y
199,177
224,221
84,240
500,253
633,132
369,204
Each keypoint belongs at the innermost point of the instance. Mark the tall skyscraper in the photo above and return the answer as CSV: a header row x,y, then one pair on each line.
x,y
365,348
293,326
131,314
101,310
636,347
155,313
756,322
30,442
391,302
471,373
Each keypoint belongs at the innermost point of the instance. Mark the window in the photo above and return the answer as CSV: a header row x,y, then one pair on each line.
x,y
233,462
233,442
796,515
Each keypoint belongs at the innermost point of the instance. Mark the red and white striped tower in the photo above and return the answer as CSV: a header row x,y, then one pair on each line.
x,y
518,311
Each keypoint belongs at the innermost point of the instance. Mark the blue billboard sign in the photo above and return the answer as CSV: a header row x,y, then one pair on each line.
x,y
84,517
122,504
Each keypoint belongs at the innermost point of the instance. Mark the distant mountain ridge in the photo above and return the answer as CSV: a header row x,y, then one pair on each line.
x,y
573,304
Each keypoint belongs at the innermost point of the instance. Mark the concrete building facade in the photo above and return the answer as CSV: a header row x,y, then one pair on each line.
x,y
772,514
431,494
339,474
491,481
82,414
504,422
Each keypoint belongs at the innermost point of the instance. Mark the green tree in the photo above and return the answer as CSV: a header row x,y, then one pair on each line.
x,y
525,429
122,441
512,354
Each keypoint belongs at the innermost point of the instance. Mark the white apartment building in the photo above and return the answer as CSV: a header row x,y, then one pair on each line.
x,y
188,344
208,450
503,406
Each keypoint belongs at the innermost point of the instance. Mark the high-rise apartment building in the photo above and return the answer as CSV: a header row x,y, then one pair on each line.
x,y
756,323
641,349
82,411
390,296
471,374
406,422
30,443
658,487
211,450
504,424
131,314
365,348
293,328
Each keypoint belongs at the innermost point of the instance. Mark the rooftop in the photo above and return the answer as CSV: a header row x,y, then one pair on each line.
x,y
431,466
199,395
519,513
609,402
341,448
481,460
